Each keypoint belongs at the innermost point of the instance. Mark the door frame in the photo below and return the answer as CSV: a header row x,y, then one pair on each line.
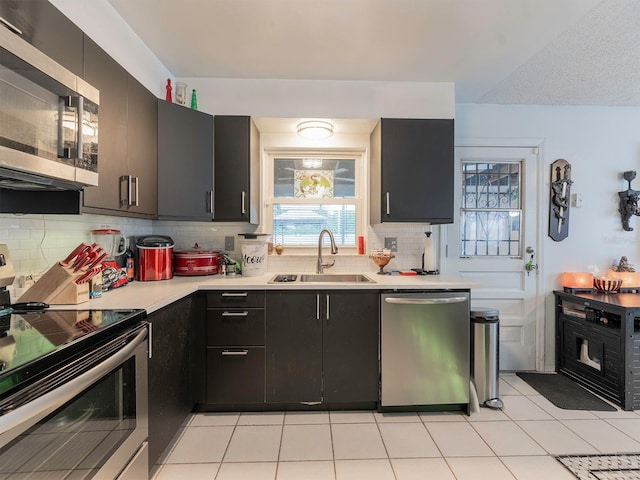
x,y
539,302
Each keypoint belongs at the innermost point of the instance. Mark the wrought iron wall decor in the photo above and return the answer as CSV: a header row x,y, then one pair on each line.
x,y
628,201
559,205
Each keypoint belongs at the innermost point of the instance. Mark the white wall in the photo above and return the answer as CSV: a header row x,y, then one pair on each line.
x,y
319,98
600,143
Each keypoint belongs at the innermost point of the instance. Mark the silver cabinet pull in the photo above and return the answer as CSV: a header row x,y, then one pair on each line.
x,y
125,200
317,306
136,182
235,314
388,203
235,294
10,26
243,209
327,313
210,201
235,353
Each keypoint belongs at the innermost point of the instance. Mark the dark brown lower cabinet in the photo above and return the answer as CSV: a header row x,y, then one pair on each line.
x,y
322,347
294,348
235,342
170,375
235,375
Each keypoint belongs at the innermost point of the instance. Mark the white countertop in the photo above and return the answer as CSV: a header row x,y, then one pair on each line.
x,y
153,296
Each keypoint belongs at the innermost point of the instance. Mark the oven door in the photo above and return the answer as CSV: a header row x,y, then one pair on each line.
x,y
92,425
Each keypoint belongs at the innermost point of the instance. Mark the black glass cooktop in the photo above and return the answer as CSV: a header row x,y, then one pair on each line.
x,y
36,341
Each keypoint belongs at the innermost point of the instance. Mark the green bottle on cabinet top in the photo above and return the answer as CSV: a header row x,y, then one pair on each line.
x,y
194,100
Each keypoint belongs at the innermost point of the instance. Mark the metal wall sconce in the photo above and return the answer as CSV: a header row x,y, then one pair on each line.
x,y
628,201
559,204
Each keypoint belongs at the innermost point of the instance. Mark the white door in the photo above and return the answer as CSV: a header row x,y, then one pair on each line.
x,y
493,239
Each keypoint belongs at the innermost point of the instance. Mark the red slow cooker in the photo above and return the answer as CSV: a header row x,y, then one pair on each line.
x,y
155,257
196,261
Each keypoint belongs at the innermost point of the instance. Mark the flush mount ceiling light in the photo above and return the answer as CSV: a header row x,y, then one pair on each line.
x,y
315,129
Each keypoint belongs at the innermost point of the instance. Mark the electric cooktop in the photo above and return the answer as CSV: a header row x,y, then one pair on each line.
x,y
34,342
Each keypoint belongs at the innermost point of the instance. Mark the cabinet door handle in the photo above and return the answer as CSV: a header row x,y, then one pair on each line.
x,y
136,182
235,294
235,353
10,26
235,314
388,204
209,208
317,306
327,314
125,200
243,209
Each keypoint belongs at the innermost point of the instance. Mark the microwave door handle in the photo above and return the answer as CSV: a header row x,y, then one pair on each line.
x,y
15,422
64,103
80,114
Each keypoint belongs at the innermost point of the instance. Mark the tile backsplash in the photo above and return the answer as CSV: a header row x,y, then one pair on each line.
x,y
38,241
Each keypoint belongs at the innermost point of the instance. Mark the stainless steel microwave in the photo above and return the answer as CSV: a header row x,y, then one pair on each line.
x,y
48,121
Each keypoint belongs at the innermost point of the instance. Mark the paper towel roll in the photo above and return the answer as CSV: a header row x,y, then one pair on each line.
x,y
429,254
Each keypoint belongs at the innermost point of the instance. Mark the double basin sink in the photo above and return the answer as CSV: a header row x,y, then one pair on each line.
x,y
321,278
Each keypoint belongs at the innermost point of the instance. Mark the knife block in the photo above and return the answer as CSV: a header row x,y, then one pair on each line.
x,y
57,287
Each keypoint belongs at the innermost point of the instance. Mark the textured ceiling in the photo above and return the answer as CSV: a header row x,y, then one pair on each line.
x,y
555,52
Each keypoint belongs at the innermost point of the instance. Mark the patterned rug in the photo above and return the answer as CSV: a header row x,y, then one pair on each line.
x,y
603,467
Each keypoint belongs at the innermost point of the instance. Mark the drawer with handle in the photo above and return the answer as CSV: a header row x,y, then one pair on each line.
x,y
235,375
235,327
236,298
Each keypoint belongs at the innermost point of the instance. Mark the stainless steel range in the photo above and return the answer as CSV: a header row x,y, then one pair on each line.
x,y
73,393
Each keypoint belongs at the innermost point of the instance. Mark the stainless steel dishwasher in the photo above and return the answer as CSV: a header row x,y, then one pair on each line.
x,y
425,349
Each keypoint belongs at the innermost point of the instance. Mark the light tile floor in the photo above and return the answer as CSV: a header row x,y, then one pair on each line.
x,y
516,443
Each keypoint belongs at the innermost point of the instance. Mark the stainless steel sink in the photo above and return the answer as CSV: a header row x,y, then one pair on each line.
x,y
336,277
322,278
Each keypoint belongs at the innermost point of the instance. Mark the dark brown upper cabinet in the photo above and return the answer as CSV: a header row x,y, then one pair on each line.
x,y
127,151
236,147
412,168
46,28
185,163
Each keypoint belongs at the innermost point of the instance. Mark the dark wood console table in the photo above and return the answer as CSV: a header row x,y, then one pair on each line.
x,y
598,343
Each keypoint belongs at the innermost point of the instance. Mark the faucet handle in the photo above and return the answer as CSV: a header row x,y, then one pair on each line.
x,y
330,264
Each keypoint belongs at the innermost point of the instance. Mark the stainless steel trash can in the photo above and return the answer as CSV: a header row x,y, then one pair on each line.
x,y
485,358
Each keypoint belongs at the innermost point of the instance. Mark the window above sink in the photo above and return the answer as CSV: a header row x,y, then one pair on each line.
x,y
310,192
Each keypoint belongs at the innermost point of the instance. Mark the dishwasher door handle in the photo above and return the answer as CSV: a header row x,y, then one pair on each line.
x,y
425,301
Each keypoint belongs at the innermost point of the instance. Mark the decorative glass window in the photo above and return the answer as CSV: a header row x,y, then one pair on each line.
x,y
310,194
491,210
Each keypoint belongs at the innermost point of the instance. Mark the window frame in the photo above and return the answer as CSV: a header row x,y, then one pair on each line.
x,y
358,200
489,210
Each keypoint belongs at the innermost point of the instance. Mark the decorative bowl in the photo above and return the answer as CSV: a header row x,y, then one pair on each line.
x,y
607,285
381,259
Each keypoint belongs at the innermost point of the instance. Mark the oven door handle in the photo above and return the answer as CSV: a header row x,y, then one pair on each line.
x,y
15,422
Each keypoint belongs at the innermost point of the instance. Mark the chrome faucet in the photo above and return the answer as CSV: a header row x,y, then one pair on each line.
x,y
334,250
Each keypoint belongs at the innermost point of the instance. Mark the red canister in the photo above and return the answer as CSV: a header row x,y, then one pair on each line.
x,y
196,261
155,257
